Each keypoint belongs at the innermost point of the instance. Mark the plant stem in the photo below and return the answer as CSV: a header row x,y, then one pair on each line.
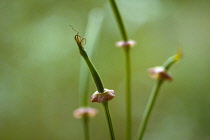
x,y
128,97
109,120
127,67
149,108
168,63
98,82
95,19
86,128
100,88
93,71
119,20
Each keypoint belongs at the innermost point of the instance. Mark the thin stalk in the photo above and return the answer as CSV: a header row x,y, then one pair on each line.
x,y
149,108
79,40
128,97
150,104
109,120
127,67
95,19
100,87
86,128
119,20
94,73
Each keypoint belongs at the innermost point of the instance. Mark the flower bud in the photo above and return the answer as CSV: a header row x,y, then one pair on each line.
x,y
129,43
178,55
85,111
160,72
102,97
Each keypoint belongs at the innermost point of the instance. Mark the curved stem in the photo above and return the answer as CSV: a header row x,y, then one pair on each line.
x,y
86,128
95,19
109,121
98,83
94,22
93,70
149,108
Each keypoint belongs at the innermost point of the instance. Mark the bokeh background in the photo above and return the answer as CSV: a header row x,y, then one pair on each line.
x,y
40,64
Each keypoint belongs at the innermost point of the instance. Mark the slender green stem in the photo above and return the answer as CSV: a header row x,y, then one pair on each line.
x,y
119,20
100,87
128,68
97,80
94,20
171,60
109,120
149,108
128,97
168,63
86,128
93,70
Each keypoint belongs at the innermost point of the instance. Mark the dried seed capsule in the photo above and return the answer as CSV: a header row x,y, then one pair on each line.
x,y
102,97
160,72
85,111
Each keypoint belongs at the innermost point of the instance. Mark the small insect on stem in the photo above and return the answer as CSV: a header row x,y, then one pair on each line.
x,y
81,41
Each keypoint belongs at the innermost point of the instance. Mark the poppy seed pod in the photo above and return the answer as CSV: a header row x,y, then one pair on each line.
x,y
85,111
160,72
102,97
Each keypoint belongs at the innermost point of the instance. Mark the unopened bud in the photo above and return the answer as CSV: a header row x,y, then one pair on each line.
x,y
85,111
103,97
178,55
160,72
129,43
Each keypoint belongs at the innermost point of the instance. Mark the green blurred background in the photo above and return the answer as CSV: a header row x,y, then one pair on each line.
x,y
40,62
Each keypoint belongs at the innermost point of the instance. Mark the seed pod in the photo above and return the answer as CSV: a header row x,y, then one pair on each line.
x,y
102,97
85,111
159,72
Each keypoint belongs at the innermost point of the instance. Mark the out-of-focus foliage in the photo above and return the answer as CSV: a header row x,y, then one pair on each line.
x,y
39,68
